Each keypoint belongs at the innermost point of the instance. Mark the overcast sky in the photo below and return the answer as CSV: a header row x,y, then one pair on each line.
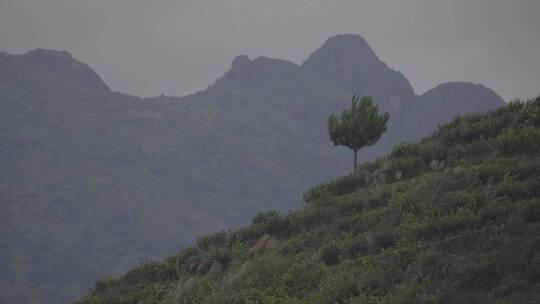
x,y
178,47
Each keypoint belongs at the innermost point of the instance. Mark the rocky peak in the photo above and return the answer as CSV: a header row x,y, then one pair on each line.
x,y
260,71
240,62
273,64
49,57
349,62
63,63
342,51
462,96
447,101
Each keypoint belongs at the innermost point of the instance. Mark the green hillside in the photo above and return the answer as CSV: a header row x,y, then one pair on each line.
x,y
454,218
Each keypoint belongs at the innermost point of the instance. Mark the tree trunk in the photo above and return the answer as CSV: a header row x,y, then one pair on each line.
x,y
355,152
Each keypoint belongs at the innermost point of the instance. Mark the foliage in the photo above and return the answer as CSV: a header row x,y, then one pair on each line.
x,y
359,126
330,254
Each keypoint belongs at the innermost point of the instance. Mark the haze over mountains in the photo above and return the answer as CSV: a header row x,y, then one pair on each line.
x,y
90,176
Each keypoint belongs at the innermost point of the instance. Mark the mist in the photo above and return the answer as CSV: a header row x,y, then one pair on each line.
x,y
180,47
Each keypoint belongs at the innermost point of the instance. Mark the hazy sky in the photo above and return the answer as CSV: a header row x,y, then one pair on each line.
x,y
178,47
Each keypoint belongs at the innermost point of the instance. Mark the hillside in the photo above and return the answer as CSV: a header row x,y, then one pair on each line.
x,y
454,218
93,181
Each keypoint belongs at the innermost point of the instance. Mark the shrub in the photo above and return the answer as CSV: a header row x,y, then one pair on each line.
x,y
330,255
373,281
221,255
357,247
531,113
519,141
460,220
430,263
533,268
433,149
301,243
213,240
406,150
466,130
477,150
303,277
496,211
346,184
481,273
379,197
271,222
263,217
369,167
449,202
365,299
406,166
531,212
148,272
413,293
181,259
279,226
381,240
427,150
337,287
318,193
194,292
375,197
103,284
266,270
514,189
313,216
491,172
248,234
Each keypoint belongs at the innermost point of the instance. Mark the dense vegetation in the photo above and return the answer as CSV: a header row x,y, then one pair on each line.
x,y
454,218
93,181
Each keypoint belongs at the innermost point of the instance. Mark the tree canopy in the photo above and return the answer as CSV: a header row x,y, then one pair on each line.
x,y
359,126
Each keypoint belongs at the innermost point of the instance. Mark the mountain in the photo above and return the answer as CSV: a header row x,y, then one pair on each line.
x,y
349,62
454,218
93,181
449,100
46,64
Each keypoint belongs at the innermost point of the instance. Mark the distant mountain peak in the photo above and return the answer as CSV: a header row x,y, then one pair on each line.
x,y
466,92
451,99
66,65
240,62
452,85
273,63
343,50
349,62
349,46
246,72
40,52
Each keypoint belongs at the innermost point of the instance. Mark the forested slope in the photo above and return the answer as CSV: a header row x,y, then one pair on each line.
x,y
454,218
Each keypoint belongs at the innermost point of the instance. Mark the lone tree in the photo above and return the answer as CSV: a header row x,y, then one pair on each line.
x,y
359,126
